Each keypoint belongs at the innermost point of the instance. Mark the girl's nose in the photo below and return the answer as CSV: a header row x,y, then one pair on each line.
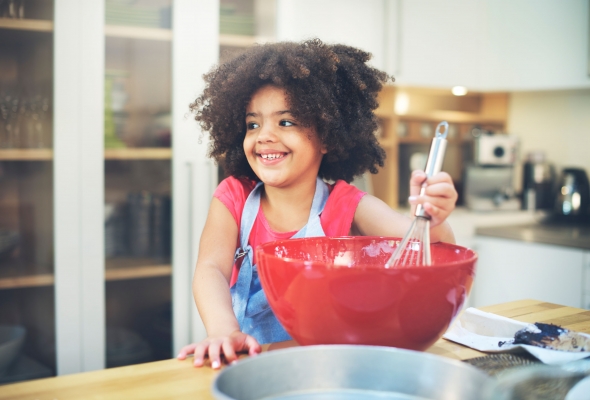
x,y
266,134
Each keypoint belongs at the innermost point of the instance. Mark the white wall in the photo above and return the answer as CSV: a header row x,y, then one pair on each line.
x,y
557,122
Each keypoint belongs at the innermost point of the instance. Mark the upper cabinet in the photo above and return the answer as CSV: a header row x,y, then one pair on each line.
x,y
492,45
487,45
438,44
356,23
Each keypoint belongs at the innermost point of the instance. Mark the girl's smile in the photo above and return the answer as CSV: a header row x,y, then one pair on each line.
x,y
270,157
280,151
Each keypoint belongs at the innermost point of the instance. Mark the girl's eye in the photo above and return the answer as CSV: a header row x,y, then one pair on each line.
x,y
286,123
251,125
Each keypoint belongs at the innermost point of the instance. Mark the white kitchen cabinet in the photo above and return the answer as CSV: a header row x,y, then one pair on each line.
x,y
493,45
439,44
510,270
487,45
532,45
98,74
352,22
464,223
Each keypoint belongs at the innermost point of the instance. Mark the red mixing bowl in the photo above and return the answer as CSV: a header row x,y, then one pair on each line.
x,y
338,291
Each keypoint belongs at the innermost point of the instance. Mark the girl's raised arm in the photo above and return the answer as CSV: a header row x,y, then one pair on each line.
x,y
375,218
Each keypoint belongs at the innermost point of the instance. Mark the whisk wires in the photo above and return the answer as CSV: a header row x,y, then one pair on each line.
x,y
414,249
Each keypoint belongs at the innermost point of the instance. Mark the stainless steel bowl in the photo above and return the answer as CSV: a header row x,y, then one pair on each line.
x,y
569,381
349,372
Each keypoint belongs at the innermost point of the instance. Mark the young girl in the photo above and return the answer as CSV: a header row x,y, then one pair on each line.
x,y
283,118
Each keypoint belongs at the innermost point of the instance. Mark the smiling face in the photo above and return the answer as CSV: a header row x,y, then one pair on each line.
x,y
281,152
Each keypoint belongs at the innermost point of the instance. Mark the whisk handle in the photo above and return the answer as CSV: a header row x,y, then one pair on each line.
x,y
436,156
434,164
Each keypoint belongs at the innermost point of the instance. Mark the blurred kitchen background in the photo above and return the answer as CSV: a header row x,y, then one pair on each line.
x,y
104,182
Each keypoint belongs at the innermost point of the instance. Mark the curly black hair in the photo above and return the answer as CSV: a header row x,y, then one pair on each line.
x,y
329,87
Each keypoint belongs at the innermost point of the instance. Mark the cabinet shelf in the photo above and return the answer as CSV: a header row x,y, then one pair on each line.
x,y
147,153
152,271
428,141
111,274
37,25
452,117
237,40
26,281
26,155
133,32
138,32
413,140
122,268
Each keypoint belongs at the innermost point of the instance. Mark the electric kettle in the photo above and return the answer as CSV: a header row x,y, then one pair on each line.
x,y
572,197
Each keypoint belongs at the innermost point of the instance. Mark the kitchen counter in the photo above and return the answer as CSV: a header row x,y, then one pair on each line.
x,y
180,380
576,236
465,222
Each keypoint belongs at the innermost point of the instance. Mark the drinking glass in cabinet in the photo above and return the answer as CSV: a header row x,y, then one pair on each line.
x,y
25,120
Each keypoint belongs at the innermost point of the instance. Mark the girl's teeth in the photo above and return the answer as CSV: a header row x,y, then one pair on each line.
x,y
271,156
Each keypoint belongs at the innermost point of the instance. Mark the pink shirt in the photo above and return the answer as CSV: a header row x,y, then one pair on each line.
x,y
336,219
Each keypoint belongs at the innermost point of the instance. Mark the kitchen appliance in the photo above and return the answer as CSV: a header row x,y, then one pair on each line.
x,y
488,178
415,246
349,372
339,291
538,182
490,188
572,197
495,150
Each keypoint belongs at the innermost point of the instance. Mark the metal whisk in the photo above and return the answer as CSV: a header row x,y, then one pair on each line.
x,y
414,248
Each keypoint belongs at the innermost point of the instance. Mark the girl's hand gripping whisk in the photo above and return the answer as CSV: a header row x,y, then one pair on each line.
x,y
414,248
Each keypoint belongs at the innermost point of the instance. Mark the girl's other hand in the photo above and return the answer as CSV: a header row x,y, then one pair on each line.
x,y
216,346
439,197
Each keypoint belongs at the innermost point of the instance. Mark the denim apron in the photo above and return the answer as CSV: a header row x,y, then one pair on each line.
x,y
248,300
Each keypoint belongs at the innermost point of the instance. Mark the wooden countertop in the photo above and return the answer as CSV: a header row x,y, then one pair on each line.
x,y
174,379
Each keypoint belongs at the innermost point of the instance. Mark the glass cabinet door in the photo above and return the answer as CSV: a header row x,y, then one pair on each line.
x,y
138,181
27,306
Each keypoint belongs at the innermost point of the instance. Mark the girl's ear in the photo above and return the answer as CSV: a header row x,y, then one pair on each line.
x,y
323,149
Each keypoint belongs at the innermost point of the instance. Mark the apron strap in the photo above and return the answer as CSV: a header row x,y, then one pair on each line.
x,y
247,269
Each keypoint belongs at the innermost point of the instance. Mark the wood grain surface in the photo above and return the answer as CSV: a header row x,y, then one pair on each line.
x,y
173,379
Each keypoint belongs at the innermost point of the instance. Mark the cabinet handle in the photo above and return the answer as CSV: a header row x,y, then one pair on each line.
x,y
212,177
190,173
